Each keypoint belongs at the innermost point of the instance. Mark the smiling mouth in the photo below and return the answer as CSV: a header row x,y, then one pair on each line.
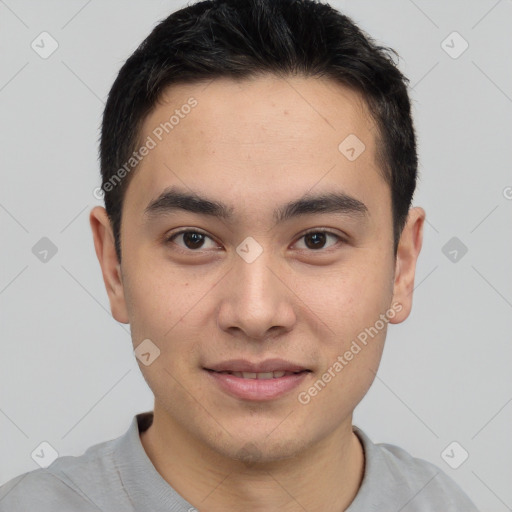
x,y
260,375
264,381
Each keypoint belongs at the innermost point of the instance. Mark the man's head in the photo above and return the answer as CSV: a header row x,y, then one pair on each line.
x,y
241,39
279,139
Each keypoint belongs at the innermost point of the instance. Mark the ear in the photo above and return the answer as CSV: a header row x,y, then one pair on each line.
x,y
408,251
110,267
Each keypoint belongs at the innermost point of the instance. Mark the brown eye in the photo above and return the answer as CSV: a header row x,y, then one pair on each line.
x,y
191,240
316,240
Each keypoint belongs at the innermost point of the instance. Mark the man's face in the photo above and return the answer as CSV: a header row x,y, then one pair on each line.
x,y
239,292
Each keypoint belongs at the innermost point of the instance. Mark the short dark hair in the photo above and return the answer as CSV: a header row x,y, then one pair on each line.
x,y
245,38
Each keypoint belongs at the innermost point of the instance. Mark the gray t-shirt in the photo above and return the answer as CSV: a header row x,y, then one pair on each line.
x,y
118,476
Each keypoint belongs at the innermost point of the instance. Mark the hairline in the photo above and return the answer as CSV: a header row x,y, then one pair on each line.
x,y
367,100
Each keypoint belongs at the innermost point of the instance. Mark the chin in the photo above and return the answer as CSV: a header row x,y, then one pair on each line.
x,y
254,452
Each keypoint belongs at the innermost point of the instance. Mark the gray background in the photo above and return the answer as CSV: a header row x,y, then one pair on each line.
x,y
67,372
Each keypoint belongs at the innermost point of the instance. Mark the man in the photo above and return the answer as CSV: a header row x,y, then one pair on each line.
x,y
258,162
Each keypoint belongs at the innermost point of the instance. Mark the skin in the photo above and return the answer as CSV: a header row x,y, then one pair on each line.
x,y
256,144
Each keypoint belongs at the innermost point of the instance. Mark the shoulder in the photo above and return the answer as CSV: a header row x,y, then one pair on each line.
x,y
70,481
423,477
409,482
41,490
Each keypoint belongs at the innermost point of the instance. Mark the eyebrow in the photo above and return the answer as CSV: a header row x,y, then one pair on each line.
x,y
174,199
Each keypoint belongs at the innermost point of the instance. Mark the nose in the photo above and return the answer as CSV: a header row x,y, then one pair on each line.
x,y
256,302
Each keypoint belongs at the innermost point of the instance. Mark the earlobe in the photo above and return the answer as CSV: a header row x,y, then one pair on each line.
x,y
408,252
111,270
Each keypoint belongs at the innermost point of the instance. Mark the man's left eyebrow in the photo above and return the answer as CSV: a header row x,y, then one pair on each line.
x,y
333,202
173,199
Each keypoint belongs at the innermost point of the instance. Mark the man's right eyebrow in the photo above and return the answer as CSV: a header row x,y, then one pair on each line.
x,y
174,198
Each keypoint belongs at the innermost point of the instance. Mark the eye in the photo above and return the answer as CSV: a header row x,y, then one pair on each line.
x,y
316,239
192,240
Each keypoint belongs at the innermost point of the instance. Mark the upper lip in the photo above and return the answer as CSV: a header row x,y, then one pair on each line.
x,y
269,365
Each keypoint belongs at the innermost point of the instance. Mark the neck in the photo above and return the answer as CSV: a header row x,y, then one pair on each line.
x,y
324,477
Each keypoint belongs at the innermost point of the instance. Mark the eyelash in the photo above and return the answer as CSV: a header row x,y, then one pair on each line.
x,y
312,231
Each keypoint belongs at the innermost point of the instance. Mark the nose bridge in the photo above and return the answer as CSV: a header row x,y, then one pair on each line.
x,y
253,280
256,300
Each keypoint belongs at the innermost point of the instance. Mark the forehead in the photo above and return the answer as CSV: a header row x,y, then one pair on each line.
x,y
258,139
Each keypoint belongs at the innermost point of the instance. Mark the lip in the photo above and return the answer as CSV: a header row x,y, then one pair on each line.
x,y
269,365
256,389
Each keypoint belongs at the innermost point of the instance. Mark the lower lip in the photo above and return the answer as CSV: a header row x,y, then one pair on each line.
x,y
257,389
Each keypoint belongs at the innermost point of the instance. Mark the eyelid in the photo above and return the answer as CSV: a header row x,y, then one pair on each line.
x,y
341,239
327,231
169,238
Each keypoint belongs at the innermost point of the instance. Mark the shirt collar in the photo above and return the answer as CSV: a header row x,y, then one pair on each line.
x,y
148,490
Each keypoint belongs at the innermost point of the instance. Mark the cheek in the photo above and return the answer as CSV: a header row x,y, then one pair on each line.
x,y
154,299
355,307
166,304
347,299
362,316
